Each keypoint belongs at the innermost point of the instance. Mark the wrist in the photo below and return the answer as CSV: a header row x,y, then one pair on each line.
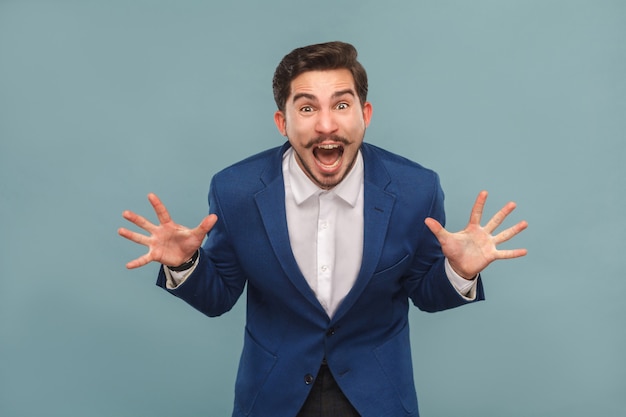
x,y
452,269
186,265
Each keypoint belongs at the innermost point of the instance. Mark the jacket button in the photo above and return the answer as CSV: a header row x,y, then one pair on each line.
x,y
330,331
308,379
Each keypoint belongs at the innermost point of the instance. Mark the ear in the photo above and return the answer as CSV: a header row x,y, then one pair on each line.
x,y
367,113
281,122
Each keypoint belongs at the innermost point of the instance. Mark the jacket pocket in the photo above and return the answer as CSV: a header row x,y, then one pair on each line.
x,y
255,365
395,270
394,357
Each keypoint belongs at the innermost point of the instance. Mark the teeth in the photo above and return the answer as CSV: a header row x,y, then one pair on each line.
x,y
328,146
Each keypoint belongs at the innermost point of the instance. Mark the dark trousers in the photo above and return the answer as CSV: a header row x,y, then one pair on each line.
x,y
326,398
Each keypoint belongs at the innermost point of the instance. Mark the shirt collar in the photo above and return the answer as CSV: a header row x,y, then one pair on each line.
x,y
303,188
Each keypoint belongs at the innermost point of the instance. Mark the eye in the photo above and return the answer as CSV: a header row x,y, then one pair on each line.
x,y
306,109
341,106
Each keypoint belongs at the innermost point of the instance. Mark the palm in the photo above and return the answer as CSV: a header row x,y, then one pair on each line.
x,y
168,243
475,247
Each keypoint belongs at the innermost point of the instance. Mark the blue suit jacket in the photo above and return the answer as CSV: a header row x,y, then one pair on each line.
x,y
288,334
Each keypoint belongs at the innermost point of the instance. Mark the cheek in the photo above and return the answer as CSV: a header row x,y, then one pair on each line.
x,y
297,130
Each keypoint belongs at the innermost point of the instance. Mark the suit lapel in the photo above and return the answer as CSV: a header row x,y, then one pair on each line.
x,y
271,204
377,206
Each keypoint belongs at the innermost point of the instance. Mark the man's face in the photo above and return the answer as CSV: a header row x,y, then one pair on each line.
x,y
325,122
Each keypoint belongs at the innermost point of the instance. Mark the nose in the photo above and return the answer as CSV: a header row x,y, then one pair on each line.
x,y
325,123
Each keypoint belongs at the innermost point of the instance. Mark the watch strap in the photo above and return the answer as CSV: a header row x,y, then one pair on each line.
x,y
185,266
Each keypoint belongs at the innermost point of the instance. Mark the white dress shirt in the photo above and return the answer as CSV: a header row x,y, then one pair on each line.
x,y
326,235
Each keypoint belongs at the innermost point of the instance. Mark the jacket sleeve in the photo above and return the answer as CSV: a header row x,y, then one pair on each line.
x,y
217,282
427,283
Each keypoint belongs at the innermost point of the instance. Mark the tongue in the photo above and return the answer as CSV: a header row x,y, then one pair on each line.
x,y
327,156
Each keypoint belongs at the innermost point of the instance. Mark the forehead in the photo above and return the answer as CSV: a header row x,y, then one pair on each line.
x,y
321,83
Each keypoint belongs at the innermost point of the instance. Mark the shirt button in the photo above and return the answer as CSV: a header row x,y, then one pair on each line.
x,y
308,379
324,268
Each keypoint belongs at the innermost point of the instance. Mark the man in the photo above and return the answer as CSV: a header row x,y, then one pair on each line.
x,y
333,236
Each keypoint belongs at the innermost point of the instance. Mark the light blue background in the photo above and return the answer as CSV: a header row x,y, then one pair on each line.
x,y
102,102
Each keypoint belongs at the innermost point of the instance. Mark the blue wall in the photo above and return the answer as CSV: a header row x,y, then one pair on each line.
x,y
102,102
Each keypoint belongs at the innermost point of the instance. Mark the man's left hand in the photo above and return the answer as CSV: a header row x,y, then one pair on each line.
x,y
472,249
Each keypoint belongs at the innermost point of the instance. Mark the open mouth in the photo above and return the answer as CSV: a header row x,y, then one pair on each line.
x,y
328,155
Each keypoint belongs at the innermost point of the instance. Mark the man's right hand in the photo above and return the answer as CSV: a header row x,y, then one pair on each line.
x,y
168,243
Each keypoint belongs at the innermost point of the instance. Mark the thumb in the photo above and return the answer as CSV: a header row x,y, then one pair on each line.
x,y
435,227
206,225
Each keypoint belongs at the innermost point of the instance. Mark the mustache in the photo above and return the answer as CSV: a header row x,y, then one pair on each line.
x,y
321,139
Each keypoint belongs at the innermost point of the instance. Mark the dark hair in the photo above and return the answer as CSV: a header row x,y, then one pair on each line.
x,y
322,56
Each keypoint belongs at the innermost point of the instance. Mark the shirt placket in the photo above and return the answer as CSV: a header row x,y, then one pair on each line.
x,y
325,249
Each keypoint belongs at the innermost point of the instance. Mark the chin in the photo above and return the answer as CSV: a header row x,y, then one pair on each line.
x,y
329,182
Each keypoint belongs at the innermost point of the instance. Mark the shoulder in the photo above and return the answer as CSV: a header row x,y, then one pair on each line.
x,y
253,170
416,189
399,168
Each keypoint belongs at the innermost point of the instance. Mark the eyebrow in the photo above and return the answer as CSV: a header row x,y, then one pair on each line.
x,y
336,94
